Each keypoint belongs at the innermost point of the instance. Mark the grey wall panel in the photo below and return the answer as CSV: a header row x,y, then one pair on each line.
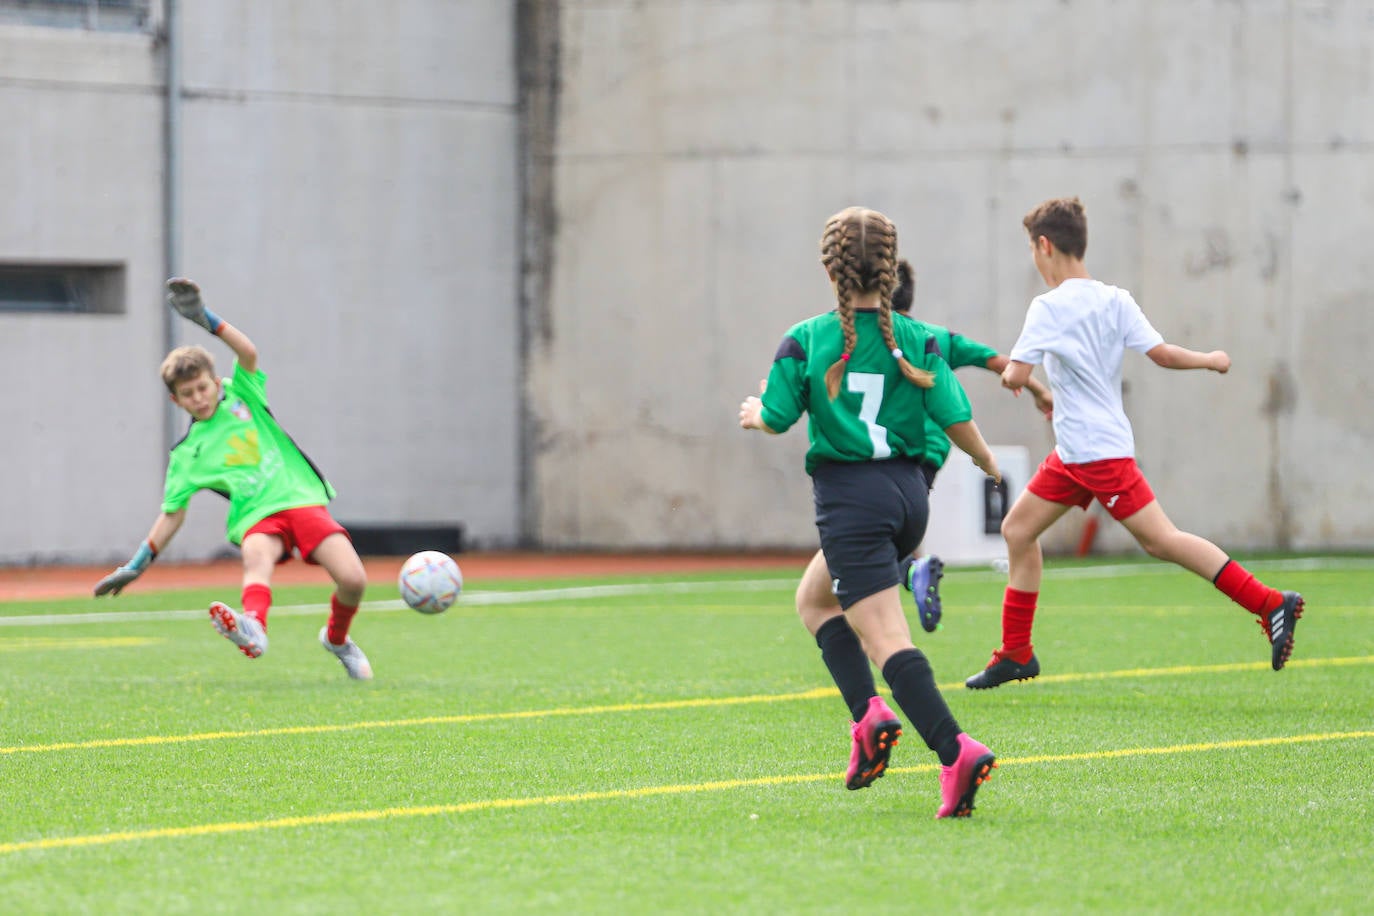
x,y
1223,165
80,176
350,198
405,50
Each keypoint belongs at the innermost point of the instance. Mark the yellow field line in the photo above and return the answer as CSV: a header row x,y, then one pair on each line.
x,y
698,703
812,694
1227,668
504,804
37,643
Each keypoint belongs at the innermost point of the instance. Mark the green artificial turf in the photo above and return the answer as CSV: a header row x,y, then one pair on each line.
x,y
674,744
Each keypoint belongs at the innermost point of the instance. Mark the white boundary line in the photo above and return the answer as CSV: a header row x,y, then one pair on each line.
x,y
469,599
572,593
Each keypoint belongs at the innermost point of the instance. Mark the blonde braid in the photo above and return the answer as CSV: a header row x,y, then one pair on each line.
x,y
859,251
921,378
837,242
835,373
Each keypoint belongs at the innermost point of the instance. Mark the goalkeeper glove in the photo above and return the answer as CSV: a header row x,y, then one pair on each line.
x,y
184,296
114,583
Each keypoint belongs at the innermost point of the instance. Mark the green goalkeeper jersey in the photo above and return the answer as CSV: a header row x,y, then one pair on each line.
x,y
243,454
878,414
958,351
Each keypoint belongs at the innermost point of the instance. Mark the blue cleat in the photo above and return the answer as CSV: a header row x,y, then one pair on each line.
x,y
923,581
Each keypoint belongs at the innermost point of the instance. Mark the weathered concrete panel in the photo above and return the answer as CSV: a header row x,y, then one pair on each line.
x,y
80,176
350,198
1218,147
412,51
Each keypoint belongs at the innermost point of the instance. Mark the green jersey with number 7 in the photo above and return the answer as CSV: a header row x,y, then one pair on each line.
x,y
878,414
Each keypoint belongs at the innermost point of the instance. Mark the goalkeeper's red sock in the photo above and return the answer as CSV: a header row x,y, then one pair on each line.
x,y
340,618
1018,613
1235,582
257,600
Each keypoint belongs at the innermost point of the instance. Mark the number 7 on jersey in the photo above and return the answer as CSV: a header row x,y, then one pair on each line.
x,y
870,386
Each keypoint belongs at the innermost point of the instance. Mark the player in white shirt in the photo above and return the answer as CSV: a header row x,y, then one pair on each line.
x,y
1079,331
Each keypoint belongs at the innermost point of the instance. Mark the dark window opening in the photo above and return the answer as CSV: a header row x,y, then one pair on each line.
x,y
109,15
62,288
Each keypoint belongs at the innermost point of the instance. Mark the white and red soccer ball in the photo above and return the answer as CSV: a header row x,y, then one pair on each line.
x,y
430,582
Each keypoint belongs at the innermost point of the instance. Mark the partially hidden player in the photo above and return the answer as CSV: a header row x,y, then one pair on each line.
x,y
866,383
277,497
1079,331
921,574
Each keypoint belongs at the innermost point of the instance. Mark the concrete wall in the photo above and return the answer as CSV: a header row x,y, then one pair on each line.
x,y
403,210
1225,152
350,190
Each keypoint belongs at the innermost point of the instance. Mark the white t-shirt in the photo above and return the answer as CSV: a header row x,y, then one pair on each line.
x,y
1080,330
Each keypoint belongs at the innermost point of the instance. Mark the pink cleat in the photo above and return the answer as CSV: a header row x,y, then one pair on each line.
x,y
960,782
875,735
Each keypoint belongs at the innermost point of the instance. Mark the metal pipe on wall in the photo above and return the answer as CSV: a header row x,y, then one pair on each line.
x,y
171,193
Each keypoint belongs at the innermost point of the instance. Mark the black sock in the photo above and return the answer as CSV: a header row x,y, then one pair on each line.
x,y
844,656
913,688
905,569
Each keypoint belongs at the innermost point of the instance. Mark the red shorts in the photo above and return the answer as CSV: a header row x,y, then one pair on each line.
x,y
1116,483
299,529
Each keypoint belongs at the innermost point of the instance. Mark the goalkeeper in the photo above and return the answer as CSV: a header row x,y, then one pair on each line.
x,y
276,495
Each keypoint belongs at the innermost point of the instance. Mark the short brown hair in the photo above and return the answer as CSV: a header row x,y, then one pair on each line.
x,y
905,293
184,364
1063,222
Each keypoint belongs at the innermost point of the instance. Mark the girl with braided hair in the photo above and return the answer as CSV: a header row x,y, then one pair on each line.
x,y
867,382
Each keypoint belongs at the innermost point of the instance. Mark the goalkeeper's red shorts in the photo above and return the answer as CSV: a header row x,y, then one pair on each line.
x,y
1114,482
300,530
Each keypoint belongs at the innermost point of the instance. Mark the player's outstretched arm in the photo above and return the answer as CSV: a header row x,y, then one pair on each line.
x,y
751,411
1016,375
1044,399
1172,356
244,350
971,442
184,296
751,414
167,525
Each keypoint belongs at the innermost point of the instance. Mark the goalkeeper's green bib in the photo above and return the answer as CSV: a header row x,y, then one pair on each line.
x,y
243,454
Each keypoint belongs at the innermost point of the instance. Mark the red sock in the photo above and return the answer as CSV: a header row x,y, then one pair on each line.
x,y
257,600
1018,611
340,617
1236,583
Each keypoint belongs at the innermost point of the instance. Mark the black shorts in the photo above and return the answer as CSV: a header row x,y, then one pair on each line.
x,y
928,471
870,515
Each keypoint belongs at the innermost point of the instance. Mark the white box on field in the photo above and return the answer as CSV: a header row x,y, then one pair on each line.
x,y
966,509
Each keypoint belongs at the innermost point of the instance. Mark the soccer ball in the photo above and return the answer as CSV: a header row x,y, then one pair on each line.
x,y
430,582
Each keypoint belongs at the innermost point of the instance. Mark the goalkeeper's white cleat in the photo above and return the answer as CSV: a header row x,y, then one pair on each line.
x,y
353,659
240,629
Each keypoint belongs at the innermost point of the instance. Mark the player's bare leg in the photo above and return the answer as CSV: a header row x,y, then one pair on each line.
x,y
338,558
1029,518
1278,616
1161,539
248,630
